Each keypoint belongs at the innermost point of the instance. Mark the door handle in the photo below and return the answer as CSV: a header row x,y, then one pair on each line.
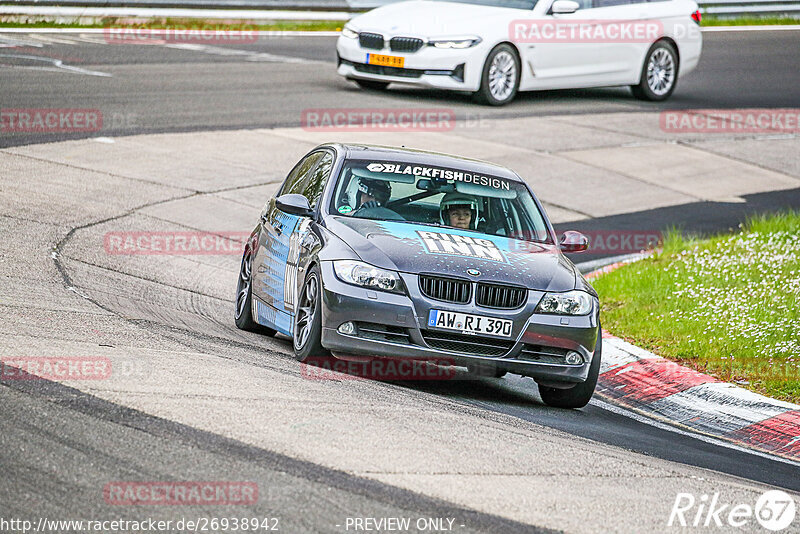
x,y
278,228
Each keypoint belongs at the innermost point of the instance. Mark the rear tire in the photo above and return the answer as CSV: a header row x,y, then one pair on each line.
x,y
243,314
659,75
501,75
371,85
579,395
307,338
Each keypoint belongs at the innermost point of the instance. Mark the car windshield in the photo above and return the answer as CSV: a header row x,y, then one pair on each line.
x,y
517,4
438,196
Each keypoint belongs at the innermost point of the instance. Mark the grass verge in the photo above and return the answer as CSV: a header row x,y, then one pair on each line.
x,y
767,20
728,306
33,21
182,24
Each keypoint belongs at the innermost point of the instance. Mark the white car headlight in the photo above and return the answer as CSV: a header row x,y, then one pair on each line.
x,y
365,275
569,303
350,33
455,42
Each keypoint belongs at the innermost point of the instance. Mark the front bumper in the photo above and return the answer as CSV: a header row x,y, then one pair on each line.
x,y
533,335
431,67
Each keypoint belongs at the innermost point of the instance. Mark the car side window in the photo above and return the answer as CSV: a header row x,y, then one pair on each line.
x,y
296,181
611,3
317,180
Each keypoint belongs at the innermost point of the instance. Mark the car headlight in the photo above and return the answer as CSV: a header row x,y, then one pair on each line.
x,y
455,42
365,275
569,303
350,33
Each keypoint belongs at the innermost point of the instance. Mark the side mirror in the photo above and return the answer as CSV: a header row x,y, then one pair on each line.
x,y
565,7
574,241
294,204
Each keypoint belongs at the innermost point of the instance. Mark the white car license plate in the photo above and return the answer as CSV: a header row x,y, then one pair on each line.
x,y
469,324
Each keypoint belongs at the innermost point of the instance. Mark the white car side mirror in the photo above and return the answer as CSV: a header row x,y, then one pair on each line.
x,y
565,7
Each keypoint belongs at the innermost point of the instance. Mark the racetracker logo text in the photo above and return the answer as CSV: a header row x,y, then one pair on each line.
x,y
766,121
203,34
175,243
55,368
50,120
377,369
180,493
381,120
585,31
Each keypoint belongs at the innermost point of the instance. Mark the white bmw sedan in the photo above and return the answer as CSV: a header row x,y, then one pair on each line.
x,y
495,48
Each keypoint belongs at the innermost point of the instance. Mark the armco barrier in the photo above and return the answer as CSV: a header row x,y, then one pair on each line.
x,y
721,8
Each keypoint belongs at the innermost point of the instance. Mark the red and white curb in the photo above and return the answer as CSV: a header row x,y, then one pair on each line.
x,y
662,389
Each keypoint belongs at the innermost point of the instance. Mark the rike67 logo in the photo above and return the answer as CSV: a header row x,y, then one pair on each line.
x,y
774,510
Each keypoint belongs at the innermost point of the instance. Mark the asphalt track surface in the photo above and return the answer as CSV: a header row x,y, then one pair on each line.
x,y
165,89
177,87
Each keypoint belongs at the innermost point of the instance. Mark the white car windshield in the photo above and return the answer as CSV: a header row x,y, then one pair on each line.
x,y
438,196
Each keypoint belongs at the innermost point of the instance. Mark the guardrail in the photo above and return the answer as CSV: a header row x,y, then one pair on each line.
x,y
721,8
749,7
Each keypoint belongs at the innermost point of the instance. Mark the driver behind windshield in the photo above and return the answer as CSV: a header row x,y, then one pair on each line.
x,y
459,211
371,198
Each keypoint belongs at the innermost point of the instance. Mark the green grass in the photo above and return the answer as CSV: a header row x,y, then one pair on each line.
x,y
22,21
728,306
186,24
766,20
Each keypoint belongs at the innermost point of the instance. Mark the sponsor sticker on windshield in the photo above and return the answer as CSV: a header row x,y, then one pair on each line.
x,y
435,173
460,245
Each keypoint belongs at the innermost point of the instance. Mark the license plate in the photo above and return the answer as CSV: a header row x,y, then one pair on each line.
x,y
385,61
469,324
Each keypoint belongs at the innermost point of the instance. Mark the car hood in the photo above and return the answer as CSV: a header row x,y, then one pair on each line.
x,y
432,19
413,248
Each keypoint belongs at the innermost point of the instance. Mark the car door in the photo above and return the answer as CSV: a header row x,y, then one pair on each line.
x,y
276,260
563,61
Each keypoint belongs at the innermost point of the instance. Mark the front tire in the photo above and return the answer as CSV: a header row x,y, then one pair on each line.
x,y
372,85
659,73
307,338
579,395
501,75
243,315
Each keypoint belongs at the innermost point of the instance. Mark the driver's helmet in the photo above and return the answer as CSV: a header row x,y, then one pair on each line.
x,y
454,199
381,190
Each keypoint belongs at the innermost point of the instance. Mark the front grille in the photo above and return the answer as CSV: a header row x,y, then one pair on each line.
x,y
464,344
388,71
542,354
445,289
383,332
373,41
405,44
505,297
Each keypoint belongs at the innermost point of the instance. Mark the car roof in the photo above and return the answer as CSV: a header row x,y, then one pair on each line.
x,y
423,157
